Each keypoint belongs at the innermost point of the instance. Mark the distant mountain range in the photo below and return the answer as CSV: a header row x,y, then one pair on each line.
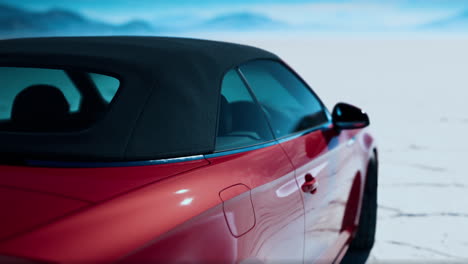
x,y
244,21
18,22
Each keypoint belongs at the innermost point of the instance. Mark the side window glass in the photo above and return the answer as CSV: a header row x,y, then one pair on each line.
x,y
241,121
107,86
52,100
288,103
14,80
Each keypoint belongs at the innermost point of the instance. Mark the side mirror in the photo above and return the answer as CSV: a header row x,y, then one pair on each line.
x,y
346,116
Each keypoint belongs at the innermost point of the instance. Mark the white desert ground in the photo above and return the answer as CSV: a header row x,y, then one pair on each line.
x,y
415,90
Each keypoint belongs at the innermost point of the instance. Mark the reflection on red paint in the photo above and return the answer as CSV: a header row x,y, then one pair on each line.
x,y
245,207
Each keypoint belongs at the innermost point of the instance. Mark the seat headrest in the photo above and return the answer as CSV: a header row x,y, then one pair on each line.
x,y
39,107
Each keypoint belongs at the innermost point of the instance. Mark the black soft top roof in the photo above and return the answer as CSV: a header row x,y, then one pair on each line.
x,y
166,107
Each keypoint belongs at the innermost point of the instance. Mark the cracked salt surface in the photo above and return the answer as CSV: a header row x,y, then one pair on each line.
x,y
415,90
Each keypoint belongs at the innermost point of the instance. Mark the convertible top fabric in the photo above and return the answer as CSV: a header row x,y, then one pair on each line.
x,y
166,107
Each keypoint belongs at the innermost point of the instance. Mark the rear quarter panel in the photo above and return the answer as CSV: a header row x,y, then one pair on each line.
x,y
181,218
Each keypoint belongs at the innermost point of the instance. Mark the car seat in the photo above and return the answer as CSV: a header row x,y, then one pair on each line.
x,y
38,108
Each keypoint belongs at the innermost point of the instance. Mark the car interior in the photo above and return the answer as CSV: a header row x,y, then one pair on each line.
x,y
239,124
44,107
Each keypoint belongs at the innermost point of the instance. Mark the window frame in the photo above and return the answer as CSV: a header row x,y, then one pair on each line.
x,y
327,123
276,140
234,150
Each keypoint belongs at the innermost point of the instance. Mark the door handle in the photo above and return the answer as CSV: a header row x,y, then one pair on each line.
x,y
310,185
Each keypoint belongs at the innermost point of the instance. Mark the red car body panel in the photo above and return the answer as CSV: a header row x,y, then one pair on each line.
x,y
23,210
191,216
89,184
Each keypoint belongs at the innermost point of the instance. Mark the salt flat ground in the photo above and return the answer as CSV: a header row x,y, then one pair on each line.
x,y
415,90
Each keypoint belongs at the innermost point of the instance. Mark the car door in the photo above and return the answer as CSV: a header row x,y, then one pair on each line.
x,y
244,206
253,163
302,125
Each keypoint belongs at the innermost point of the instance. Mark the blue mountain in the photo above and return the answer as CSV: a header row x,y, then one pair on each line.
x,y
137,27
243,21
17,22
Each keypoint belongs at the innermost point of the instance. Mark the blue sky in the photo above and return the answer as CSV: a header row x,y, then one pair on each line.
x,y
352,13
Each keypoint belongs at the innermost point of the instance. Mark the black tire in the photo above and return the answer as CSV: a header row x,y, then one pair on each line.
x,y
365,236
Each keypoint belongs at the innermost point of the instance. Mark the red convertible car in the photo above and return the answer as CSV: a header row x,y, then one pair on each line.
x,y
148,149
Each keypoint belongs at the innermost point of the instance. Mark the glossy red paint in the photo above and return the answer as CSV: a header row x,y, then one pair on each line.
x,y
244,207
326,155
278,232
89,184
24,210
37,204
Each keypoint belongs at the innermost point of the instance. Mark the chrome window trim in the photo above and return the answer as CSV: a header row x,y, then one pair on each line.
x,y
72,164
304,132
242,149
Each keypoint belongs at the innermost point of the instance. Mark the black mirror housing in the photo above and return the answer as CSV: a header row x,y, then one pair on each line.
x,y
346,116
